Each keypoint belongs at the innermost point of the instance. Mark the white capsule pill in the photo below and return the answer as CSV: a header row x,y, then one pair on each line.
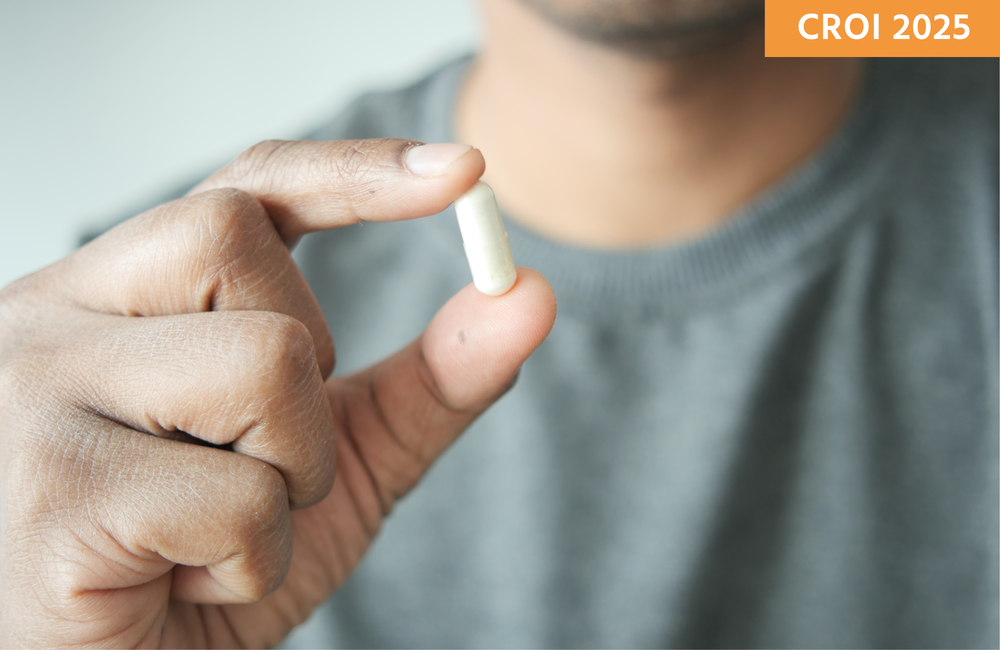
x,y
485,240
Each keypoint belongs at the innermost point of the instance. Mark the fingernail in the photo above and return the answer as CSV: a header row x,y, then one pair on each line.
x,y
434,159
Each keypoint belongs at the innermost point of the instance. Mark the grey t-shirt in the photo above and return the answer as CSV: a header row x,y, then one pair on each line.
x,y
783,433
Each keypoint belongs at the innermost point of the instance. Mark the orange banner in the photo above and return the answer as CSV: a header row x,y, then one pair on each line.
x,y
882,28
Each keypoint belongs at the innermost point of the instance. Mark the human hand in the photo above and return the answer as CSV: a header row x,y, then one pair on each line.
x,y
191,324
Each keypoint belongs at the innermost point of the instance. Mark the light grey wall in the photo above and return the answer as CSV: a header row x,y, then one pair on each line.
x,y
104,103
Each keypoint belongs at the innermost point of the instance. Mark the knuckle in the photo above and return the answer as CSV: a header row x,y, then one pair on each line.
x,y
357,168
230,228
254,163
230,202
356,158
262,531
359,164
283,353
228,214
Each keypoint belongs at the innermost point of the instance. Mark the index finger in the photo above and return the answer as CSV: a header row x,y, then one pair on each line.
x,y
309,185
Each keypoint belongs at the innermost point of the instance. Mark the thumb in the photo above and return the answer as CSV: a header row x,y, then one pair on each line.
x,y
402,413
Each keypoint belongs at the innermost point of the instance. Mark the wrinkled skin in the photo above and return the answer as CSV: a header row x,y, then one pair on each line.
x,y
190,324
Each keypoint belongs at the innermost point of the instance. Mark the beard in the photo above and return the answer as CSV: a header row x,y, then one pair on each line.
x,y
653,28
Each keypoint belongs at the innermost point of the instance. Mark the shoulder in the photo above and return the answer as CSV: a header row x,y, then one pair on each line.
x,y
943,117
951,104
936,188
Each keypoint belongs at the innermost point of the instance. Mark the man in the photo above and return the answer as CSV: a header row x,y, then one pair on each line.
x,y
766,416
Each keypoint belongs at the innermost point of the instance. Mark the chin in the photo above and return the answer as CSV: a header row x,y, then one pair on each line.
x,y
660,28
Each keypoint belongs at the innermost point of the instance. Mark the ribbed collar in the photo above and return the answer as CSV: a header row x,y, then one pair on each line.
x,y
796,219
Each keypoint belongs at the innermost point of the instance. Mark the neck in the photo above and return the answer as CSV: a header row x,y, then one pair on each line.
x,y
602,148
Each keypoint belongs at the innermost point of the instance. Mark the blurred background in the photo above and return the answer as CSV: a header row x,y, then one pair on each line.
x,y
105,104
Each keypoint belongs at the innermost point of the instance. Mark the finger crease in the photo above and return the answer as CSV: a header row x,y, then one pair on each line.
x,y
380,413
385,506
224,611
